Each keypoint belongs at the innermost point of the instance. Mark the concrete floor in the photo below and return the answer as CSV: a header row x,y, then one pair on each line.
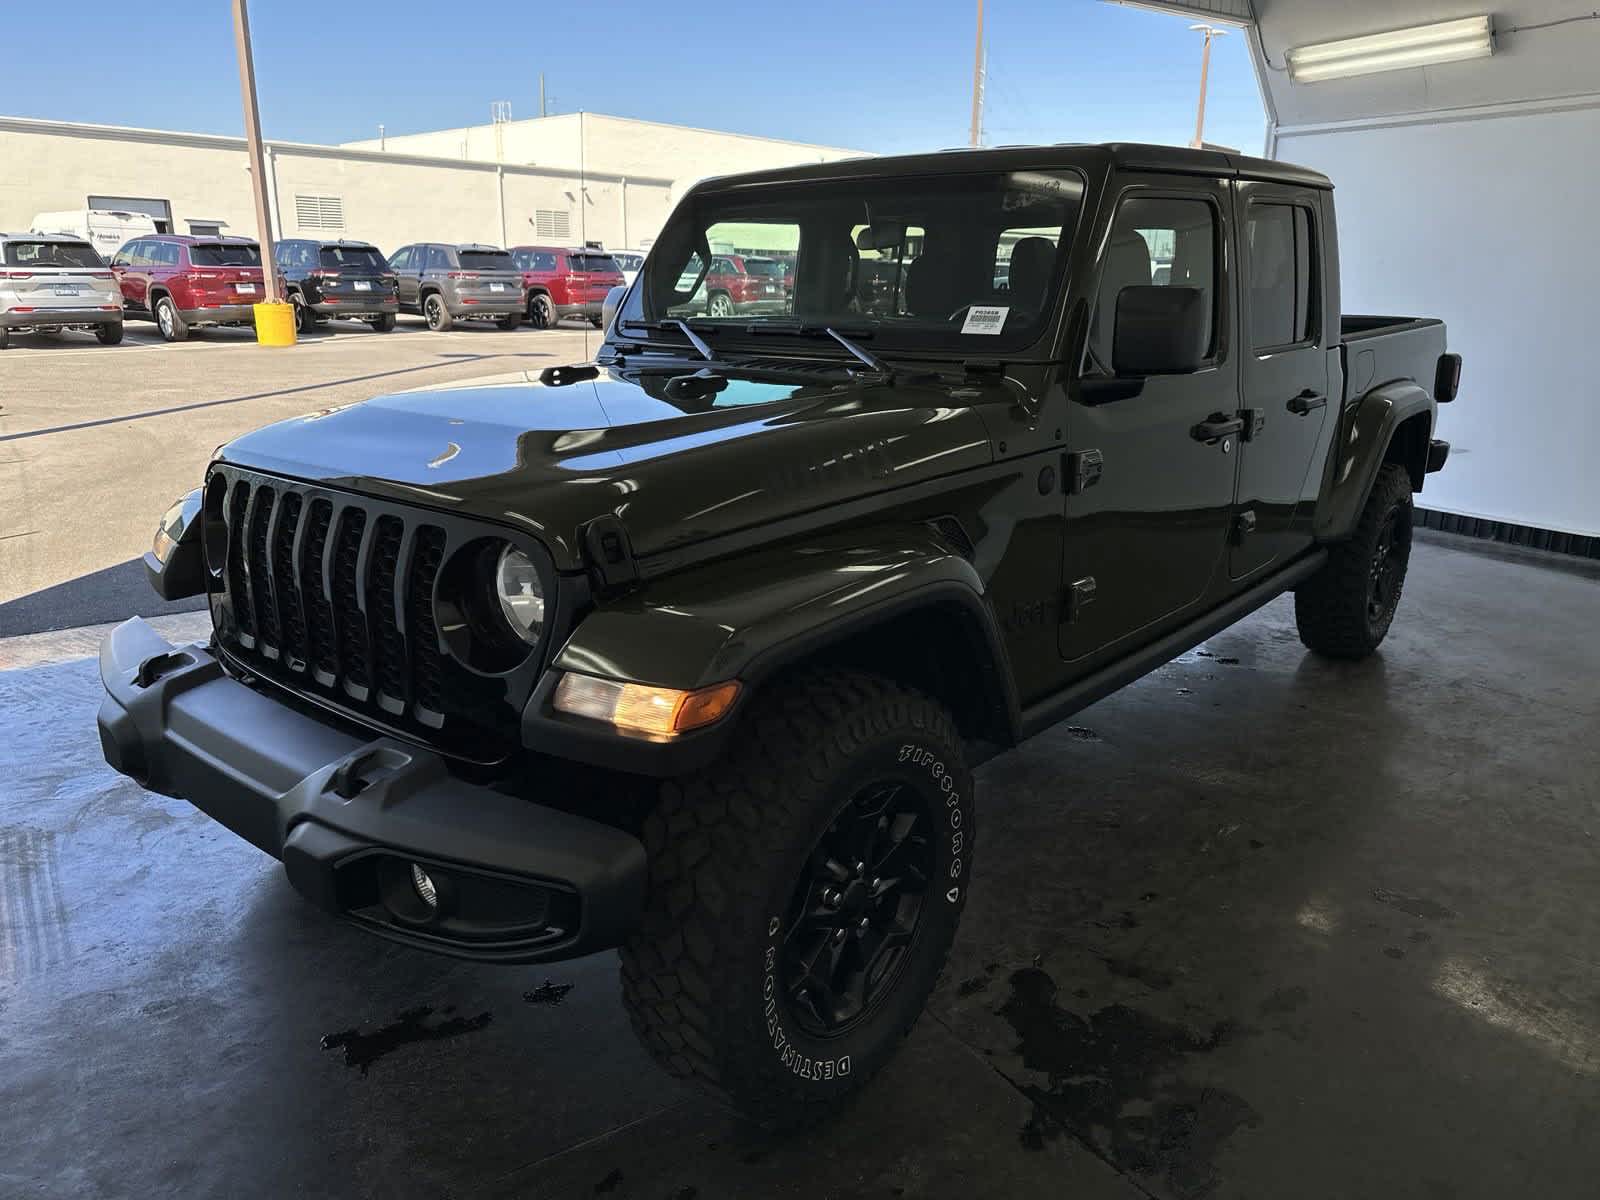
x,y
1258,926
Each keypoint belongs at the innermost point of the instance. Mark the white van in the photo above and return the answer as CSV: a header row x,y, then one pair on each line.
x,y
106,229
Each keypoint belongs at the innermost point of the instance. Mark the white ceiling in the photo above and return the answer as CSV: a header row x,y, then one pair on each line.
x,y
1533,64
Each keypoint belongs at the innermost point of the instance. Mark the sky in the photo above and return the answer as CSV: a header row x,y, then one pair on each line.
x,y
883,76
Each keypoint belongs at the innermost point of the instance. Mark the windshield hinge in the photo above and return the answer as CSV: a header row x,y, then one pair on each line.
x,y
983,366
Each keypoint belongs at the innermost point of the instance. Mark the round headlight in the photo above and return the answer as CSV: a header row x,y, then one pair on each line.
x,y
521,592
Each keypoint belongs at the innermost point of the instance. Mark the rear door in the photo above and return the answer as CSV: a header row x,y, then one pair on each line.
x,y
1147,525
1284,372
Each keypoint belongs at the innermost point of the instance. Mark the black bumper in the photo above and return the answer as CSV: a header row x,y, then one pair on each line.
x,y
515,881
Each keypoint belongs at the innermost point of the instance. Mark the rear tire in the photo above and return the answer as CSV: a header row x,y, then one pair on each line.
x,y
437,315
768,968
305,320
110,334
169,321
1346,608
510,321
720,305
383,323
5,337
541,313
597,322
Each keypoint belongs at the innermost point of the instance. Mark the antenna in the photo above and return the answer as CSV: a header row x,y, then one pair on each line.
x,y
500,114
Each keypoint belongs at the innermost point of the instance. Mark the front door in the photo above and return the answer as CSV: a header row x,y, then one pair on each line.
x,y
131,268
1146,538
1284,356
406,263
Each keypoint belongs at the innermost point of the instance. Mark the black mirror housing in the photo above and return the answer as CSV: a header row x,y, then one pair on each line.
x,y
608,308
1161,331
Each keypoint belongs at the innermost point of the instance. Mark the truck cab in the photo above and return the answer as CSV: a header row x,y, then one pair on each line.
x,y
691,650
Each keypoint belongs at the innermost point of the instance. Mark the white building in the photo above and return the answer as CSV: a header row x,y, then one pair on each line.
x,y
561,179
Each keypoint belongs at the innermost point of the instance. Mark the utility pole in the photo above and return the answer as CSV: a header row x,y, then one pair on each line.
x,y
1211,31
542,111
259,183
976,137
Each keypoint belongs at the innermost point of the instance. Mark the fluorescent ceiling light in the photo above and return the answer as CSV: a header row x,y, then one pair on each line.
x,y
1425,45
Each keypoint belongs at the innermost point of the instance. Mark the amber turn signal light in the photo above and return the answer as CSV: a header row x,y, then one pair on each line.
x,y
655,712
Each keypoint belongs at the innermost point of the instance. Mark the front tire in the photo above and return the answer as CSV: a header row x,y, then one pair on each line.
x,y
769,968
169,321
437,315
1346,608
5,337
110,334
383,323
510,321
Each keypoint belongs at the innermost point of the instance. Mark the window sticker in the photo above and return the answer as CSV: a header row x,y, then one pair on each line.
x,y
985,318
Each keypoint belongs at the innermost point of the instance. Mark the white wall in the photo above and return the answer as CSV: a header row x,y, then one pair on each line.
x,y
1488,223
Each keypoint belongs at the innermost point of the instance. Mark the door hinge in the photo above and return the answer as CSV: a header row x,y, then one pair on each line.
x,y
1255,420
610,554
1082,470
1080,594
1244,525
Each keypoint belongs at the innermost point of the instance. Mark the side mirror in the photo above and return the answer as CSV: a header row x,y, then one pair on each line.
x,y
613,301
1161,331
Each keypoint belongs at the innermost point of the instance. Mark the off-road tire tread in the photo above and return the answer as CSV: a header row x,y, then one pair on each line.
x,y
701,840
1330,607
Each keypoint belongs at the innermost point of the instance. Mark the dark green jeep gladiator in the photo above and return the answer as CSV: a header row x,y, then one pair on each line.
x,y
690,651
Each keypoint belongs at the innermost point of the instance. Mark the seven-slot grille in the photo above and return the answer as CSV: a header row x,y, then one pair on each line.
x,y
333,596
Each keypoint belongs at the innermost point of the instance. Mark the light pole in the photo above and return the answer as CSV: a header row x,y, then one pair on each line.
x,y
1211,31
259,183
976,135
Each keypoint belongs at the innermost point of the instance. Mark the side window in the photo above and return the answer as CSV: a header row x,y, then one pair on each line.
x,y
1162,242
1282,279
438,259
165,254
400,260
543,260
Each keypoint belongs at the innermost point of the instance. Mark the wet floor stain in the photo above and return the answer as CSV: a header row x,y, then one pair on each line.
x,y
1394,952
1153,978
1283,1001
363,1049
1114,1083
1416,906
609,1183
548,993
972,986
1083,733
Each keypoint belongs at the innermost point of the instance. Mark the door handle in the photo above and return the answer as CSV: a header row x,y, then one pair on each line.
x,y
1305,402
1216,427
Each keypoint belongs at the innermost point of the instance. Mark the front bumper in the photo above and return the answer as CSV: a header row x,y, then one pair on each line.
x,y
56,317
220,314
1438,454
516,881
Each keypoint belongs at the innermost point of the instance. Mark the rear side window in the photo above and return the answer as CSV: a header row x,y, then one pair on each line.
x,y
223,254
535,260
485,260
593,262
438,259
335,258
1283,285
165,254
1157,241
52,254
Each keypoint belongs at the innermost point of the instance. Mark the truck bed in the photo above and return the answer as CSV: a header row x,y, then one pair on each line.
x,y
1380,350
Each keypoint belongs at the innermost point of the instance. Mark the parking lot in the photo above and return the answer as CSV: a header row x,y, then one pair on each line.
x,y
96,441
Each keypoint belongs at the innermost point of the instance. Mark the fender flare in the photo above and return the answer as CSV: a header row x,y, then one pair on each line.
x,y
750,618
1367,429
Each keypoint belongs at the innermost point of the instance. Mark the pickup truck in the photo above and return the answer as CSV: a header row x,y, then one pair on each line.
x,y
691,651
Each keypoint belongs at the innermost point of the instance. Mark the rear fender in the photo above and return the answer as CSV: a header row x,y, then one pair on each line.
x,y
1363,449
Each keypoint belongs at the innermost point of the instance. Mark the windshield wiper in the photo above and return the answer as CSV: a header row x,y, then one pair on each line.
x,y
695,340
872,360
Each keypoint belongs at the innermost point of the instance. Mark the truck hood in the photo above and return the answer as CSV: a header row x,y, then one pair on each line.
x,y
513,451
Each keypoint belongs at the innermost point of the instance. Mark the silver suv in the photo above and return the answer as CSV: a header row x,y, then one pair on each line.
x,y
448,283
49,282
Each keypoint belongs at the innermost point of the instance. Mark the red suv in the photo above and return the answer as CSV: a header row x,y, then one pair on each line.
x,y
744,283
180,282
565,283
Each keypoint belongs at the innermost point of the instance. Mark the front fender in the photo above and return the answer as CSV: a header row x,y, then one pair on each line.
x,y
745,618
1368,431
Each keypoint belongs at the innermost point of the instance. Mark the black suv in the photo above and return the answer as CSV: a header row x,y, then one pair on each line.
x,y
324,280
691,650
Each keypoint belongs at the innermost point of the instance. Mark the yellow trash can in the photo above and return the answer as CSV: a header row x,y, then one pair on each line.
x,y
274,323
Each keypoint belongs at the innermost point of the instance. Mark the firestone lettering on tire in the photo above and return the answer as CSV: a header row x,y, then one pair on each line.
x,y
919,756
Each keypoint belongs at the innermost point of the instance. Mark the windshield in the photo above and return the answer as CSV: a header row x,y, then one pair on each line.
x,y
486,260
52,254
225,254
351,257
964,262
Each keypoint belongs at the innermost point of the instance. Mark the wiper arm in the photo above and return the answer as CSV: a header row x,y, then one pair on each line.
x,y
695,340
871,360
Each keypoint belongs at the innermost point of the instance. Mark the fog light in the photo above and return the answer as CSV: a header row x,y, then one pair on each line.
x,y
657,712
424,886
